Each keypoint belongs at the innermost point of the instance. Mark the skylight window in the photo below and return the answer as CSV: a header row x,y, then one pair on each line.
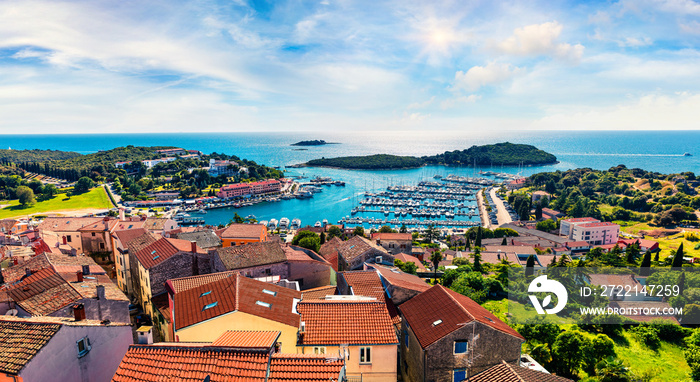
x,y
153,253
270,292
265,304
205,293
209,306
157,256
436,323
488,318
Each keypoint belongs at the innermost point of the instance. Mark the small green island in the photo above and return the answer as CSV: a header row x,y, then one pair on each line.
x,y
505,154
316,142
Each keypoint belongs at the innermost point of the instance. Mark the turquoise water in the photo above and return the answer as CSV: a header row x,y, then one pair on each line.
x,y
660,151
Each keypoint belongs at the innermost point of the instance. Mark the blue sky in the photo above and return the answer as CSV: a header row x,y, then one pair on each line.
x,y
237,65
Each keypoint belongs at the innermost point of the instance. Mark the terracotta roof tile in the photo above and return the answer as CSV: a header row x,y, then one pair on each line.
x,y
330,248
304,368
247,339
15,273
505,372
101,225
161,250
127,235
66,224
235,293
346,322
251,255
319,293
184,283
406,258
171,362
392,236
21,341
439,311
205,238
244,231
368,284
43,293
401,279
138,243
357,246
155,224
127,225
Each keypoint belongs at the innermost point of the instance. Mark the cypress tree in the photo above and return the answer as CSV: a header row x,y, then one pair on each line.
x,y
644,269
505,241
554,262
469,241
477,242
530,266
678,259
323,238
681,283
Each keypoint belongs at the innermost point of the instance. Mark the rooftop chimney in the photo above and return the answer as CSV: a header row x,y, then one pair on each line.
x,y
79,312
86,269
101,293
79,275
65,241
193,246
122,216
14,261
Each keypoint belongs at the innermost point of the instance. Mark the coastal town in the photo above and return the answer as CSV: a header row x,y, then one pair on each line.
x,y
145,290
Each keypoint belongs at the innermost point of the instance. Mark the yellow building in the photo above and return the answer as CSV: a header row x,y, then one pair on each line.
x,y
356,328
233,302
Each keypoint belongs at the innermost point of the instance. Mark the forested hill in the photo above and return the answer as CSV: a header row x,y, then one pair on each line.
x,y
506,154
17,156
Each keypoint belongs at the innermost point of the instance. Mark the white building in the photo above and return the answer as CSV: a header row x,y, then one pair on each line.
x,y
566,227
596,233
152,162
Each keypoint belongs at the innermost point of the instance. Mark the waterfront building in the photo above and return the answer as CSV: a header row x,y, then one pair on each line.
x,y
448,337
238,190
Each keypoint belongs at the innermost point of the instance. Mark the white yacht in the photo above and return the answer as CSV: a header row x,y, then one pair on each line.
x,y
284,223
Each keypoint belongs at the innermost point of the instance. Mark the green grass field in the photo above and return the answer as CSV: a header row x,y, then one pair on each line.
x,y
96,198
667,364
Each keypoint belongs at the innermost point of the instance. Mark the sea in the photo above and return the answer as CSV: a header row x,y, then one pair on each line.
x,y
659,151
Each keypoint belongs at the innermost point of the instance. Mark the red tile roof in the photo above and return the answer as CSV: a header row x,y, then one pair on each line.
x,y
598,224
66,224
244,231
101,225
184,283
318,293
43,293
127,235
357,246
368,284
505,372
21,341
401,279
251,255
304,368
346,322
161,250
578,220
406,258
247,339
155,224
174,362
392,236
439,311
235,293
579,243
16,272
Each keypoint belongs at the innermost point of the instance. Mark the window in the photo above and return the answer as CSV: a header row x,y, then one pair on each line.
x,y
268,271
209,306
265,304
366,354
461,347
378,259
270,292
102,245
405,340
459,375
68,239
319,350
93,234
83,346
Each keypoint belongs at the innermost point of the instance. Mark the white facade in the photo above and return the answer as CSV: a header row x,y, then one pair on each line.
x,y
566,226
596,233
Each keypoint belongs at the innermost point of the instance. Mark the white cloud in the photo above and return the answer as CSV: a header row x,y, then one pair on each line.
x,y
679,7
463,100
635,42
421,105
650,112
539,40
600,17
692,27
479,76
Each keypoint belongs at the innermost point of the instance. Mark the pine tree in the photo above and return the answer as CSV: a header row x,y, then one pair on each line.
x,y
554,262
678,259
530,266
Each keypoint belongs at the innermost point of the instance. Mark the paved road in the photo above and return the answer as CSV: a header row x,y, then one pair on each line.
x,y
485,221
502,214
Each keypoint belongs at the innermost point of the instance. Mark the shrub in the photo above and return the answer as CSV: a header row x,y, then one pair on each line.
x,y
648,335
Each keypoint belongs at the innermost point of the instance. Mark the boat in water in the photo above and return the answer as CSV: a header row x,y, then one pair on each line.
x,y
317,224
296,224
284,223
687,154
325,222
272,224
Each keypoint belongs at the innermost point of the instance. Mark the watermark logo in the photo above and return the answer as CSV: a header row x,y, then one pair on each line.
x,y
541,284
